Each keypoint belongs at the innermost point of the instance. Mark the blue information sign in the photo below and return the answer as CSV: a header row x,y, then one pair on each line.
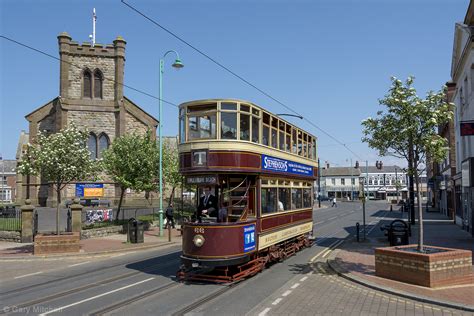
x,y
89,189
249,238
281,165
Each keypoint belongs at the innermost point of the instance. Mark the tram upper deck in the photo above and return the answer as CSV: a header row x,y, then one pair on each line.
x,y
219,135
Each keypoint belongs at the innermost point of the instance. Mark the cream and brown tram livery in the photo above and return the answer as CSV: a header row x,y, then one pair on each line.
x,y
259,170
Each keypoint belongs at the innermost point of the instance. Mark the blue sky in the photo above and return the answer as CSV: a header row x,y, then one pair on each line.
x,y
328,60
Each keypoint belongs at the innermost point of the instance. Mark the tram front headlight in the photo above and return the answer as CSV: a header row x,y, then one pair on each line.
x,y
198,240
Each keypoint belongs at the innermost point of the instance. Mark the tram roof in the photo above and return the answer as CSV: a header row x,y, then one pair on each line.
x,y
207,101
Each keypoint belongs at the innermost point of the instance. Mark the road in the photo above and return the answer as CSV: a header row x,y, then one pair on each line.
x,y
143,283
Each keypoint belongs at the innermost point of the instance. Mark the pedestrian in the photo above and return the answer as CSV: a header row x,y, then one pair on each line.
x,y
169,216
334,202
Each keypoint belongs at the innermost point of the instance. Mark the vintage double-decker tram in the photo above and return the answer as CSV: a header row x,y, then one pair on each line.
x,y
261,169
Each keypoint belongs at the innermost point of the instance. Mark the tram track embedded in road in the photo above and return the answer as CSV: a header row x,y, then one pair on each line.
x,y
76,290
32,286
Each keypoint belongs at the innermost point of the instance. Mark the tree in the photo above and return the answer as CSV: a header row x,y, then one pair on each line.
x,y
171,174
132,162
407,130
60,158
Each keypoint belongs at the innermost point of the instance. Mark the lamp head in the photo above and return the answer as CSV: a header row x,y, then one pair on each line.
x,y
177,64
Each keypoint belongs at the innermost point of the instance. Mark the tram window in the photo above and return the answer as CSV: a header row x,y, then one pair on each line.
x,y
296,199
284,199
274,138
306,197
314,149
282,141
265,136
269,200
266,119
295,141
228,106
288,142
182,132
228,125
255,129
310,148
245,108
202,107
202,126
255,112
244,127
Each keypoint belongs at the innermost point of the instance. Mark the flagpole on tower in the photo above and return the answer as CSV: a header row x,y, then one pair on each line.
x,y
94,19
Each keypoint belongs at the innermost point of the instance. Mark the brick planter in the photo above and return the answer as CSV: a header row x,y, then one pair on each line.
x,y
50,244
444,268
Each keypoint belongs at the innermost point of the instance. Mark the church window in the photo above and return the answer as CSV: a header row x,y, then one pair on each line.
x,y
103,143
87,84
92,145
98,80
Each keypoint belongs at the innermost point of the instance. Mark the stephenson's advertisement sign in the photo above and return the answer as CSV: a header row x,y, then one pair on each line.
x,y
287,166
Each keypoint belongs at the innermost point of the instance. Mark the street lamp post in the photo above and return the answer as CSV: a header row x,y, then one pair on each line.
x,y
177,64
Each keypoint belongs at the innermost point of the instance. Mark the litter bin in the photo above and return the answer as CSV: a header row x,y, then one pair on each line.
x,y
135,231
398,233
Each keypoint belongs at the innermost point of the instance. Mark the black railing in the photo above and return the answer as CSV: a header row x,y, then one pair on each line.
x,y
10,218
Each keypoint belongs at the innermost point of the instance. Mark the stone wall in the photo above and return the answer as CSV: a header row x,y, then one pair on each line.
x,y
133,125
105,64
101,232
96,122
10,236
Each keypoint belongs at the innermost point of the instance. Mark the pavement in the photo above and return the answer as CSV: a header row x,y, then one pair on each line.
x,y
94,246
355,261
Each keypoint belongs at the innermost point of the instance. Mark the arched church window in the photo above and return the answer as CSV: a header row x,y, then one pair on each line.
x,y
87,84
103,143
98,80
92,145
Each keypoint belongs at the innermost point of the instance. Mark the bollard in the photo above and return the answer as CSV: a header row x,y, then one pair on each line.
x,y
391,207
357,231
169,232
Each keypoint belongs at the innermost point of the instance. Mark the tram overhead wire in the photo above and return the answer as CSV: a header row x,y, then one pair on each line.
x,y
213,60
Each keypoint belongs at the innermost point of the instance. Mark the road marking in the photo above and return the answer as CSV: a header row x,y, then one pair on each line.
x,y
264,312
303,279
295,286
278,300
329,219
286,293
26,275
62,308
326,252
78,264
336,243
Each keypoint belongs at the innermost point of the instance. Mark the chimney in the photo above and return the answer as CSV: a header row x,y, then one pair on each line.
x,y
327,165
357,165
451,90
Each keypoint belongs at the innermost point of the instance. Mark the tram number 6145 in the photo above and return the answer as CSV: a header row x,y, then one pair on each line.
x,y
199,230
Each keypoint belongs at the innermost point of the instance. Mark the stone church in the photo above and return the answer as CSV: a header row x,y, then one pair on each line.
x,y
91,96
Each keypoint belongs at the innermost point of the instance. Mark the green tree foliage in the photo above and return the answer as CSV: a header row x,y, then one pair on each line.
x,y
171,176
132,162
406,129
60,158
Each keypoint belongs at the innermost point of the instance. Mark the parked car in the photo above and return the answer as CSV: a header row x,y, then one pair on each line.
x,y
324,198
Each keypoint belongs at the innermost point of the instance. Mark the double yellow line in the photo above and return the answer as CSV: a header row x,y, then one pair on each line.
x,y
328,250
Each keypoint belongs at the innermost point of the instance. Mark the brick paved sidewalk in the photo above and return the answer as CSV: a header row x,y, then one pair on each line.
x,y
101,245
356,261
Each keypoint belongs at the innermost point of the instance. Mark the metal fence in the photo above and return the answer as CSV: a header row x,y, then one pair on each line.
x,y
10,218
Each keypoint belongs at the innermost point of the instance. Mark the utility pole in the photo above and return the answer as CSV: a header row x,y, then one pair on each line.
x,y
396,182
365,197
352,183
319,185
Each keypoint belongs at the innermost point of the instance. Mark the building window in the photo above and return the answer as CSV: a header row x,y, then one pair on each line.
x,y
87,84
333,181
98,80
103,143
92,145
343,181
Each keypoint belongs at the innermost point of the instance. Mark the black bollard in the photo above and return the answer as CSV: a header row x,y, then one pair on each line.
x,y
391,207
357,231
